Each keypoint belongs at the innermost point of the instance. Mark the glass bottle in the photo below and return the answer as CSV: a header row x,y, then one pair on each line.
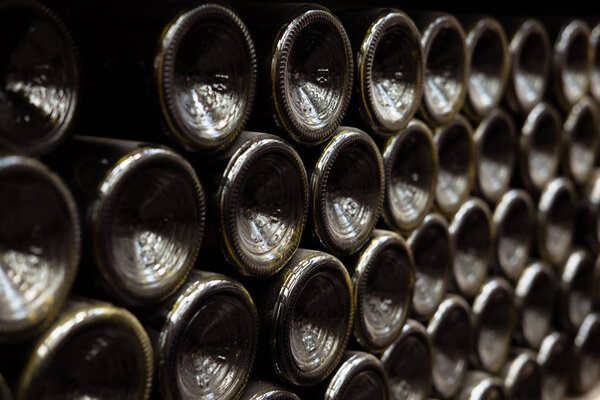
x,y
411,167
456,172
205,338
41,80
495,153
534,298
450,332
144,213
383,277
41,239
306,313
432,249
445,66
487,63
306,70
258,203
408,362
473,238
514,225
347,187
92,350
540,146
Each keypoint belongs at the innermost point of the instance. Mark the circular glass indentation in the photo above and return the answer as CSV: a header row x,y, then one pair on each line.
x,y
349,191
535,293
39,83
578,287
312,76
495,154
408,366
411,167
514,222
149,224
110,350
319,323
215,351
530,48
555,359
39,232
365,386
581,137
455,165
540,146
393,71
587,347
445,68
471,231
493,321
486,43
384,294
432,252
207,68
573,61
270,206
264,207
450,340
526,380
556,220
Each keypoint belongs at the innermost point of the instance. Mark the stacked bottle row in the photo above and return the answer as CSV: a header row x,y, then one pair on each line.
x,y
250,205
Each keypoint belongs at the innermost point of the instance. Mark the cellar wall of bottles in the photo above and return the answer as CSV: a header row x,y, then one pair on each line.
x,y
291,201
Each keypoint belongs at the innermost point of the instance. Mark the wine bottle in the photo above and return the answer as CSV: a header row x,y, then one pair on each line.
x,y
534,298
306,70
389,68
493,324
182,70
571,61
540,145
576,295
495,154
143,209
581,140
407,363
514,225
455,154
93,350
258,203
262,390
411,166
479,385
555,359
449,330
347,187
358,376
473,238
487,65
40,236
41,80
432,249
556,220
204,338
586,354
531,57
383,277
445,63
595,69
306,313
522,377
